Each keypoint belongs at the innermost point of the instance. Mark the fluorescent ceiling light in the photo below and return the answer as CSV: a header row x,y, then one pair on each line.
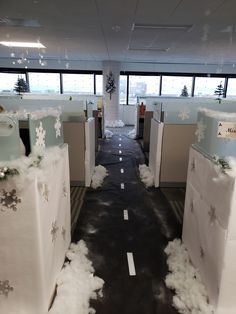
x,y
21,44
163,26
149,49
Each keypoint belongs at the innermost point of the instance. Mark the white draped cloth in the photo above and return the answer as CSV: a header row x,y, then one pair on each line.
x,y
34,236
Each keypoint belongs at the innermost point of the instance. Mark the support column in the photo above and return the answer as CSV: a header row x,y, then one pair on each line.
x,y
111,104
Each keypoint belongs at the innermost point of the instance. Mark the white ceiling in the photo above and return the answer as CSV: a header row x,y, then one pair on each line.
x,y
96,30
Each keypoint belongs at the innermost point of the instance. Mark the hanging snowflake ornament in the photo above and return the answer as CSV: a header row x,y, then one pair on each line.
x,y
54,231
110,84
40,135
5,288
57,127
184,114
9,200
200,132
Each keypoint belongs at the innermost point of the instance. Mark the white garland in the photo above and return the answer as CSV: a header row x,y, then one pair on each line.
x,y
23,114
229,116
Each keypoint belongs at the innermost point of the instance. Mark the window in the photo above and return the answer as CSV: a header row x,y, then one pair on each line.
x,y
231,88
99,84
143,86
44,82
8,81
123,89
78,83
206,86
173,85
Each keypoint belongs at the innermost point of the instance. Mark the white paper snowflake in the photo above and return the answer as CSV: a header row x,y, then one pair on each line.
x,y
40,135
9,200
200,132
54,231
5,288
57,127
184,114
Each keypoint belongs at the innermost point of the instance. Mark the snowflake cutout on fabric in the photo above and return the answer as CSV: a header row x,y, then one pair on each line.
x,y
57,127
212,215
40,135
63,232
5,288
184,114
200,132
191,207
54,231
9,200
64,189
202,253
45,192
193,166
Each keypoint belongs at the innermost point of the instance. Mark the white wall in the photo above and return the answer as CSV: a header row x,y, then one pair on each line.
x,y
128,115
125,66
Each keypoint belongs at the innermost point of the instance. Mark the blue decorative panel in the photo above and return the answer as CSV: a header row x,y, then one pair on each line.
x,y
9,137
46,131
208,138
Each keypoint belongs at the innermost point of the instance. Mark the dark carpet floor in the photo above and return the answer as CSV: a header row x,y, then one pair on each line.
x,y
109,237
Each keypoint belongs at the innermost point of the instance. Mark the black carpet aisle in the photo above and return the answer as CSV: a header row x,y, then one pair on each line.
x,y
109,237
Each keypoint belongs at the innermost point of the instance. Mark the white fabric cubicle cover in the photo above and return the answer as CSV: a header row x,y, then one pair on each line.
x,y
209,229
89,150
34,234
155,150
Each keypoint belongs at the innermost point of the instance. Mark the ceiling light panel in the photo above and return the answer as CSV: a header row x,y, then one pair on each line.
x,y
184,27
20,44
19,22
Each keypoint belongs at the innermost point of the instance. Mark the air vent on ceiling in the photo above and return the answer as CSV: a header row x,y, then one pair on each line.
x,y
19,22
184,27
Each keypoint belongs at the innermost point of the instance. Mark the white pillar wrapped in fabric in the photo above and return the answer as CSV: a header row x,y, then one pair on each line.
x,y
209,229
111,100
34,233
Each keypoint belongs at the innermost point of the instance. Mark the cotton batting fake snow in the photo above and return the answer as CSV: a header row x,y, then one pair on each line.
x,y
132,134
99,174
190,293
108,134
146,175
76,283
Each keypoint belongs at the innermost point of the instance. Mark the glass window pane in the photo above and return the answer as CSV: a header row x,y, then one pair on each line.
x,y
8,81
231,89
143,86
123,89
99,84
173,85
78,83
44,82
206,86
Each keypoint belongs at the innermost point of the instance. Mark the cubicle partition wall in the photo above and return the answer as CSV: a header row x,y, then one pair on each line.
x,y
80,136
180,125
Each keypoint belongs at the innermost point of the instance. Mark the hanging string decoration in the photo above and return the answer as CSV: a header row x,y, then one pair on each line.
x,y
110,84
